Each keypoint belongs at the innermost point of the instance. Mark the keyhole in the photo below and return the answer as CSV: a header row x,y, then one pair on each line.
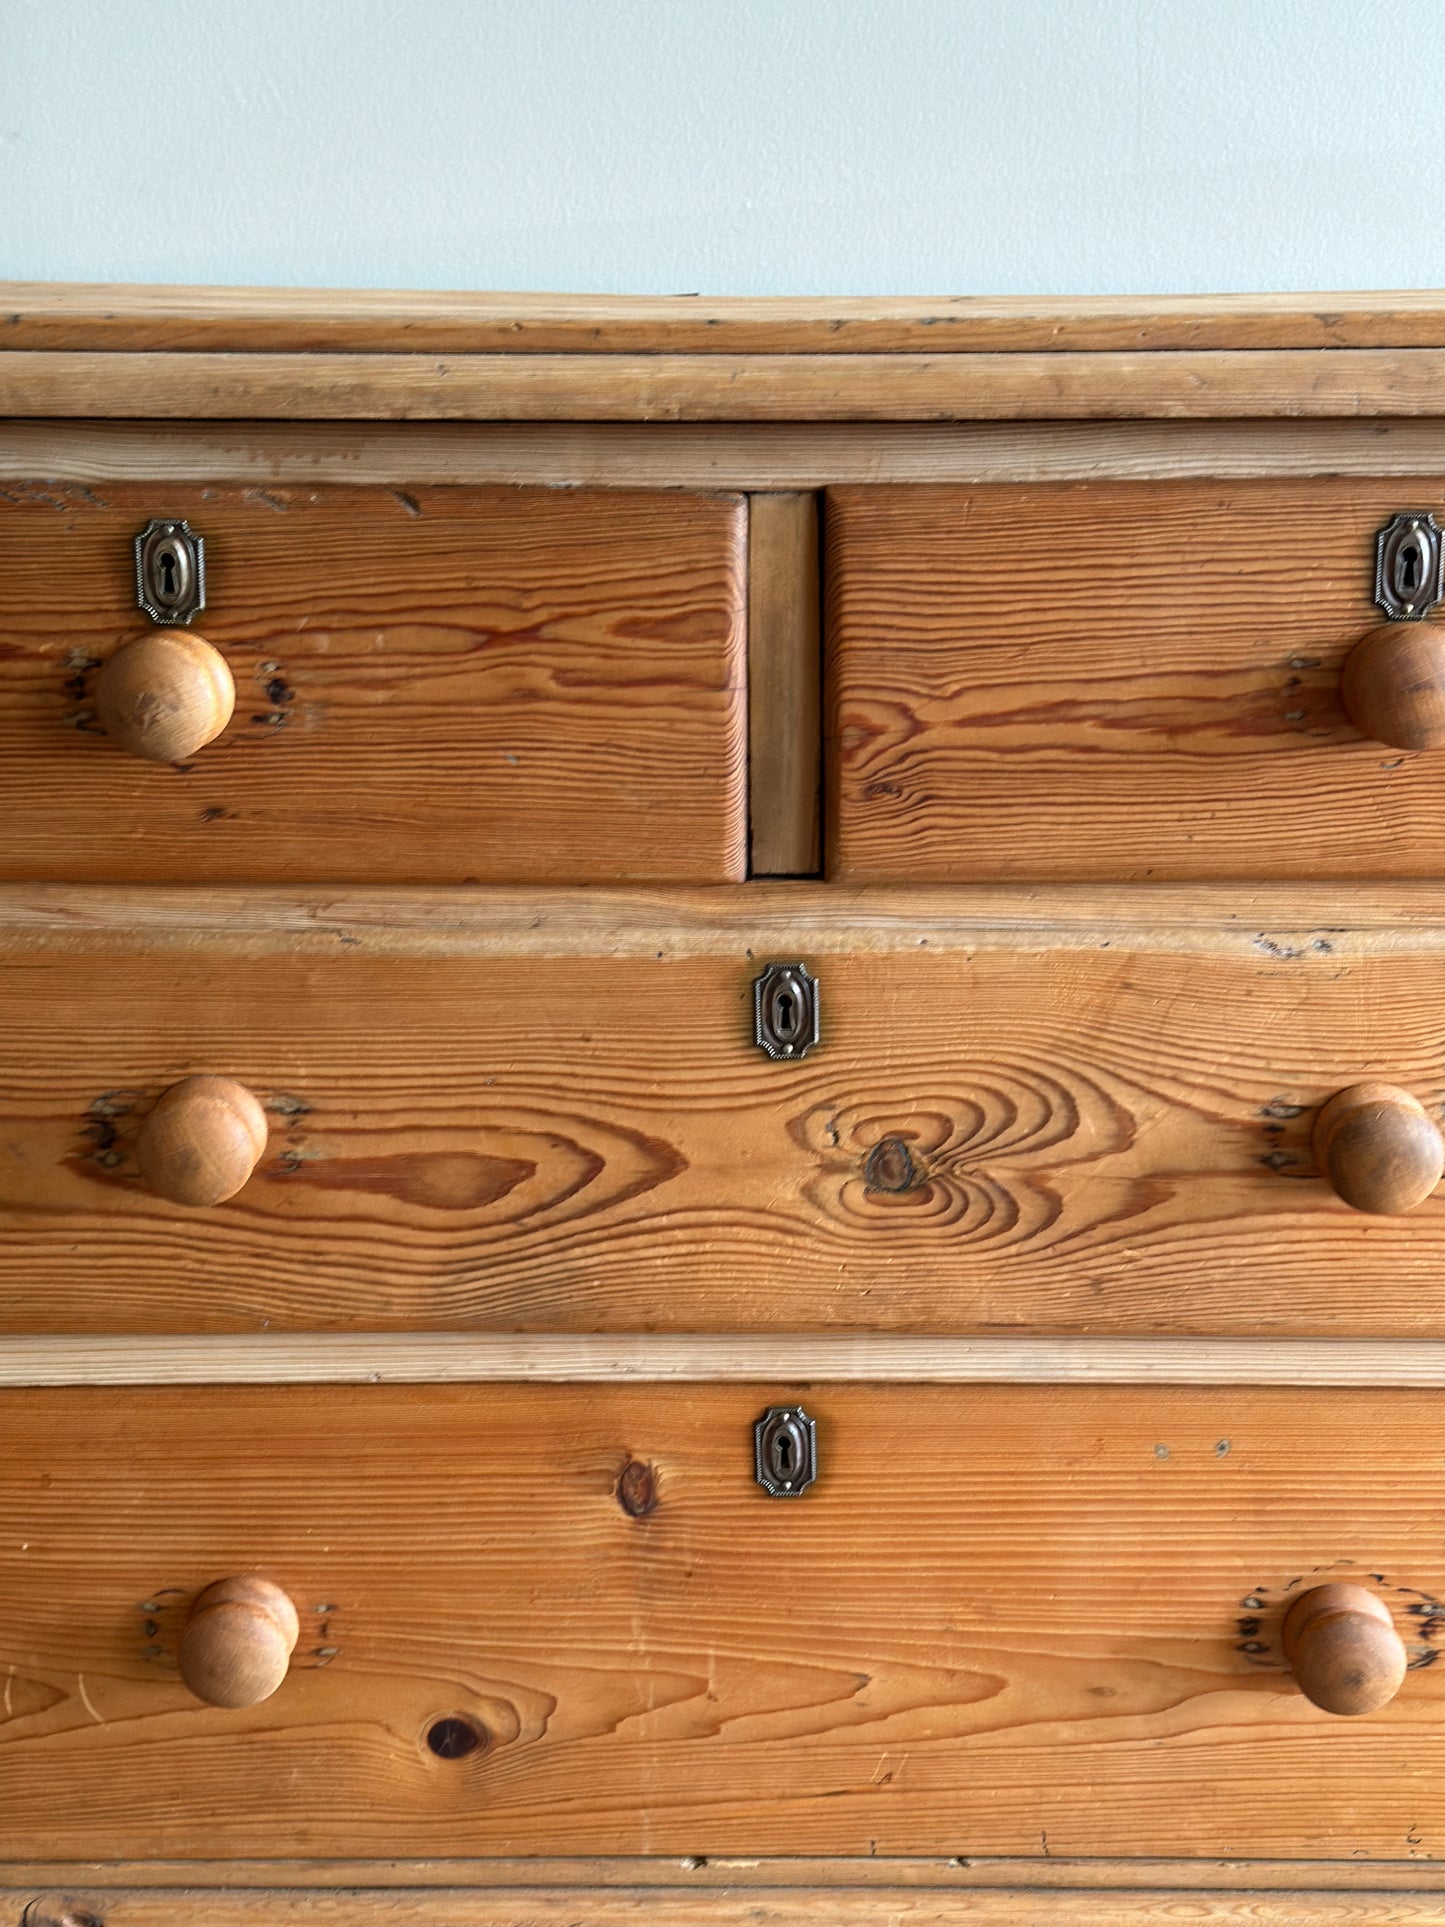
x,y
783,1452
785,1013
167,564
1410,568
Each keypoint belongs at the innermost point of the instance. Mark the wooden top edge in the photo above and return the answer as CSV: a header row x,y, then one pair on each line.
x,y
1275,923
97,315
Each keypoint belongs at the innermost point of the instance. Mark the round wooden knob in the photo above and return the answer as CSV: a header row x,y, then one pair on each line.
x,y
238,1641
202,1141
1379,1148
1343,1649
1393,687
165,695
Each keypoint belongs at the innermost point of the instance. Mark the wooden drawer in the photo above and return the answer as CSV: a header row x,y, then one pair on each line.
x,y
540,1112
1004,1621
1115,680
444,685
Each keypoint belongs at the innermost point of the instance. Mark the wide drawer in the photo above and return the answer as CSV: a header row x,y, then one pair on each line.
x,y
439,685
1116,680
543,1619
548,1112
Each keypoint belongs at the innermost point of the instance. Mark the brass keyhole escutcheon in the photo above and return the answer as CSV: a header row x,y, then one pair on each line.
x,y
785,1451
785,1010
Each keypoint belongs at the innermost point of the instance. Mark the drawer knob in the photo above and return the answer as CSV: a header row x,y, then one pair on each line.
x,y
164,695
1343,1649
1393,687
1379,1148
202,1141
238,1641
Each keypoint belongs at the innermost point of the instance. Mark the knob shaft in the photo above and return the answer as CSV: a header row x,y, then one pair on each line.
x,y
1379,1148
202,1141
165,695
1393,687
238,1641
1343,1649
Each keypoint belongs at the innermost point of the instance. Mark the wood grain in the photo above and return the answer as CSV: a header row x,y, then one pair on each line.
x,y
1113,681
682,1875
557,1358
38,314
613,1907
1091,1130
785,652
1209,920
911,1656
1186,386
709,455
447,686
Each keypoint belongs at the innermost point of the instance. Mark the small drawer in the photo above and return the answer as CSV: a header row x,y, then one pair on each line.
x,y
550,1113
434,685
1128,680
531,1619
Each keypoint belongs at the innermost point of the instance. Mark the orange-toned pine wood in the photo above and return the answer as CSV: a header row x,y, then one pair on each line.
x,y
1058,1129
1115,680
1014,1621
445,684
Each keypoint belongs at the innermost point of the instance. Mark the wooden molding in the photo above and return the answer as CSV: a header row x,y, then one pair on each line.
x,y
584,1876
98,315
729,919
416,1358
667,387
751,1907
736,455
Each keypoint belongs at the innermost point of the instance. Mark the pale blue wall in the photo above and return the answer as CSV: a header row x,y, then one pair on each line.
x,y
745,146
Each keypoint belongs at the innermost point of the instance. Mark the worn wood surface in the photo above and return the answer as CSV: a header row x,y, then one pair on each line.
x,y
1005,1620
1091,1130
446,685
569,1907
681,1875
1208,920
561,1358
38,314
724,387
709,455
785,661
1115,681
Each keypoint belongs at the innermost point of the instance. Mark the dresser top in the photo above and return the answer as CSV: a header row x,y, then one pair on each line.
x,y
132,318
93,351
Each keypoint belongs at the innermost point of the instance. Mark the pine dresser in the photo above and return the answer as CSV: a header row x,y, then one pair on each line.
x,y
722,1041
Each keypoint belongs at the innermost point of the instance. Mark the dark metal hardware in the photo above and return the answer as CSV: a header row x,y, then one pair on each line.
x,y
1409,566
170,572
785,1010
785,1450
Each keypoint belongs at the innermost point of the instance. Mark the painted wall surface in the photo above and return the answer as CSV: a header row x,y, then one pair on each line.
x,y
726,146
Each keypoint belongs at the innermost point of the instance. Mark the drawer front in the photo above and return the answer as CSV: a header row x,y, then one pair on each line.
x,y
1082,1131
1116,680
444,685
547,1619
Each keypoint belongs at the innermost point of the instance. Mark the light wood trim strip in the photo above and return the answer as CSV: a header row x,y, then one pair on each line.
x,y
721,455
410,1358
661,388
98,315
698,1874
751,1907
1262,921
785,654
